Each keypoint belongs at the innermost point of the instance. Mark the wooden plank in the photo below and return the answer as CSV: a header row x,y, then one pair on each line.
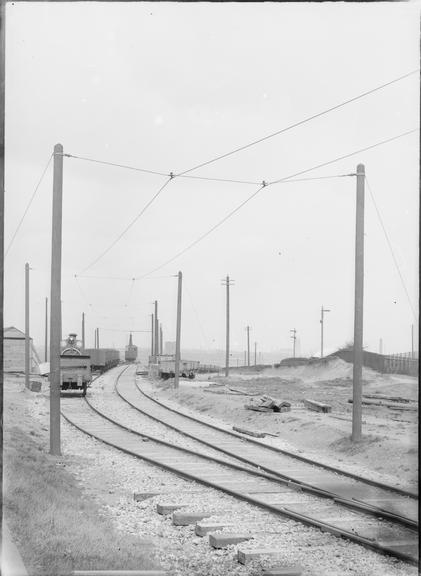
x,y
317,406
249,432
245,556
223,540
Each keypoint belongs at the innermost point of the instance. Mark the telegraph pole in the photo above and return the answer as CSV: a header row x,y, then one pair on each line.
x,y
294,337
156,338
227,283
248,345
46,331
178,332
27,337
412,341
160,339
358,307
97,337
381,346
152,339
255,353
321,327
55,302
83,330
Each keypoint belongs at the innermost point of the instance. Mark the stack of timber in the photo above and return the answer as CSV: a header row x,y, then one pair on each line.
x,y
317,406
390,405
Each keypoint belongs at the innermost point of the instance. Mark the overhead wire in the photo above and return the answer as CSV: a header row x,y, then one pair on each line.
x,y
27,207
127,228
264,185
389,243
296,124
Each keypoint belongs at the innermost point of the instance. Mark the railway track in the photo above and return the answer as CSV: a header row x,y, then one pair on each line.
x,y
251,477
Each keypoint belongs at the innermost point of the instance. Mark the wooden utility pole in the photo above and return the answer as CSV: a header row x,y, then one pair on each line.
x,y
97,337
46,331
227,282
412,341
294,337
178,332
160,339
27,337
152,340
83,330
248,345
255,353
321,328
358,307
381,346
156,338
55,302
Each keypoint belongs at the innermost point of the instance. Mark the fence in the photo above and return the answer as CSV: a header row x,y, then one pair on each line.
x,y
390,364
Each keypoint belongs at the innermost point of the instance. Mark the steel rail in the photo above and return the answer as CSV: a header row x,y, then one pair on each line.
x,y
340,471
283,511
310,488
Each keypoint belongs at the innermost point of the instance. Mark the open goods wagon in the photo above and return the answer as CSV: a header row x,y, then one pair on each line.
x,y
166,369
103,359
75,367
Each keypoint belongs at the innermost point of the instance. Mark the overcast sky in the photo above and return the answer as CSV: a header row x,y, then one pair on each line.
x,y
167,86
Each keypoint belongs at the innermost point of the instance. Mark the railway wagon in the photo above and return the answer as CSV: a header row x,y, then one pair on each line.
x,y
166,370
103,359
75,367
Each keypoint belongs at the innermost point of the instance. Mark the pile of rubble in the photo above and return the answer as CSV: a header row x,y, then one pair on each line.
x,y
269,404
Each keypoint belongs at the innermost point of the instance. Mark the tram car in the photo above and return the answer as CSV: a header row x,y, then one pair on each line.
x,y
75,366
130,354
103,359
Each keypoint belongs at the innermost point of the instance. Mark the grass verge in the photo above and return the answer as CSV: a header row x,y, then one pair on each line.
x,y
55,526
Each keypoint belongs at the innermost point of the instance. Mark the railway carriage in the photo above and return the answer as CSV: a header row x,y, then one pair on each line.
x,y
75,367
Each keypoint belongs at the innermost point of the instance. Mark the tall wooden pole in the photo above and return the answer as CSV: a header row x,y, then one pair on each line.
x,y
152,339
46,331
97,337
358,307
227,335
255,353
178,332
27,337
412,341
83,330
55,302
248,345
160,339
2,119
156,329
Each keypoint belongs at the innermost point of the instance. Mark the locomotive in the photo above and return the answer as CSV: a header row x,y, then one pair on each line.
x,y
75,367
130,354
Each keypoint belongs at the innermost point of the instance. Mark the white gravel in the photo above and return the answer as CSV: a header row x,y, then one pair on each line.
x,y
112,477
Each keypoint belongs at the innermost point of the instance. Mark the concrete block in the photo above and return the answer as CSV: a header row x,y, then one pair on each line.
x,y
283,571
186,518
245,556
203,528
140,496
223,540
164,509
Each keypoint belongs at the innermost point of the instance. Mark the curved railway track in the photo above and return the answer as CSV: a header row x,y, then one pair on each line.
x,y
251,476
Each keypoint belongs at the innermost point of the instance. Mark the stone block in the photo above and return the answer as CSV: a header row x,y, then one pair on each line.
x,y
245,556
186,518
283,571
140,496
164,509
203,528
223,540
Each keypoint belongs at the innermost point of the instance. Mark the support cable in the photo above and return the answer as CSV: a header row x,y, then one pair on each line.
x,y
127,228
264,185
390,247
28,206
291,126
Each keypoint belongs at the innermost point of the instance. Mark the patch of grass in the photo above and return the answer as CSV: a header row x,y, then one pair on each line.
x,y
58,528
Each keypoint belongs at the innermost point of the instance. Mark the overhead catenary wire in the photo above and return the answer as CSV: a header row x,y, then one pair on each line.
x,y
296,124
265,185
27,207
127,228
389,243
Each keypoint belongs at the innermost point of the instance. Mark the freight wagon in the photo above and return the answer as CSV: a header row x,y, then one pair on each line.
x,y
103,359
130,354
166,367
